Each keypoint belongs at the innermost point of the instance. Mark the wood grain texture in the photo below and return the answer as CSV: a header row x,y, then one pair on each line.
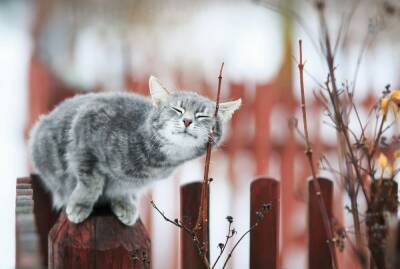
x,y
318,250
44,215
100,242
190,203
264,239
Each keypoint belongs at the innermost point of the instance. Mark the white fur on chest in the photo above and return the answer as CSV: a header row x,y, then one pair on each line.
x,y
181,147
180,153
134,186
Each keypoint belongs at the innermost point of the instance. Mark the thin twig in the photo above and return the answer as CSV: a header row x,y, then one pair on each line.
x,y
202,219
309,154
228,236
189,231
237,243
342,132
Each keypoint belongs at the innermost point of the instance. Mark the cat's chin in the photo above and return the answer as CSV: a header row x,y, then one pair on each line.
x,y
184,139
187,135
181,138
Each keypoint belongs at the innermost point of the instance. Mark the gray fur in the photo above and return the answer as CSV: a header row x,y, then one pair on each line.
x,y
105,147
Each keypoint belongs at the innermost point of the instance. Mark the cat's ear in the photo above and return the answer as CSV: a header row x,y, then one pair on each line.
x,y
227,109
159,94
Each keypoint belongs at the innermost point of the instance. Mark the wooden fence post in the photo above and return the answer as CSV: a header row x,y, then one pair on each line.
x,y
100,242
190,203
318,249
264,239
45,215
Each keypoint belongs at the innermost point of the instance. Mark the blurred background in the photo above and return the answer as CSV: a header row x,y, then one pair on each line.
x,y
54,49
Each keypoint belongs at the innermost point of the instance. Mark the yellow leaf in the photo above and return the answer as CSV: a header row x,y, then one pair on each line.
x,y
395,109
384,105
395,95
382,161
396,154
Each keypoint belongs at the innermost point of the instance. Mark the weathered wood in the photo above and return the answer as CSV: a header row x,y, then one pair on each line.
x,y
318,249
44,214
264,239
100,242
190,203
27,242
23,180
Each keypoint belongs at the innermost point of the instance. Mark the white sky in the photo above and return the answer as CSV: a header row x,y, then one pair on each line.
x,y
14,53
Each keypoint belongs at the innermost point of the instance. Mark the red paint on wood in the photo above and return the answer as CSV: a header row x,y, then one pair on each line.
x,y
100,242
318,249
264,239
24,180
190,203
44,215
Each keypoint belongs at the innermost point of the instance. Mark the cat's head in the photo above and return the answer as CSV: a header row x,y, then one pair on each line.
x,y
186,118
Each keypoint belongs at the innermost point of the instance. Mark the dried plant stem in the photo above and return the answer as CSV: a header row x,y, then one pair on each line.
x,y
342,129
237,243
189,231
309,154
202,219
378,136
228,236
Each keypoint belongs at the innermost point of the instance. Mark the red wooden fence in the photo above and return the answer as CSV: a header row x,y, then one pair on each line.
x,y
103,242
264,240
190,203
318,249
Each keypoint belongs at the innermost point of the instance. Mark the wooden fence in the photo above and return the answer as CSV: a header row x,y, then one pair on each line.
x,y
46,239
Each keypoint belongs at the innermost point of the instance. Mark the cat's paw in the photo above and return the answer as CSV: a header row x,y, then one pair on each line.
x,y
77,213
125,211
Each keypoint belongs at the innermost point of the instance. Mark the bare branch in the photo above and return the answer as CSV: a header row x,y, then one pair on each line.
x,y
309,154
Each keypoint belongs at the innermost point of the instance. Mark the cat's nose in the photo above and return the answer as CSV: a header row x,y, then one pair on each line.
x,y
187,122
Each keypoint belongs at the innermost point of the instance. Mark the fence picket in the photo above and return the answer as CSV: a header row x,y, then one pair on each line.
x,y
45,216
103,242
264,239
190,203
318,250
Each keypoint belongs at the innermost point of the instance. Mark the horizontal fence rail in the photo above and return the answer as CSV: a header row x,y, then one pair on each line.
x,y
26,237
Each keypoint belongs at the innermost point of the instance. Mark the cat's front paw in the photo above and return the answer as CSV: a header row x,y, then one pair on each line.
x,y
77,213
125,211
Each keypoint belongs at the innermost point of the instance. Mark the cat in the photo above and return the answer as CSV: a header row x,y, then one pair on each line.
x,y
102,148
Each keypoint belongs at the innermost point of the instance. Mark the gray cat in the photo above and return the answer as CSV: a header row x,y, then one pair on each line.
x,y
105,147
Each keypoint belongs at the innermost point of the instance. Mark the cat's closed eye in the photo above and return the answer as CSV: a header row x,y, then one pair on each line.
x,y
178,110
202,116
